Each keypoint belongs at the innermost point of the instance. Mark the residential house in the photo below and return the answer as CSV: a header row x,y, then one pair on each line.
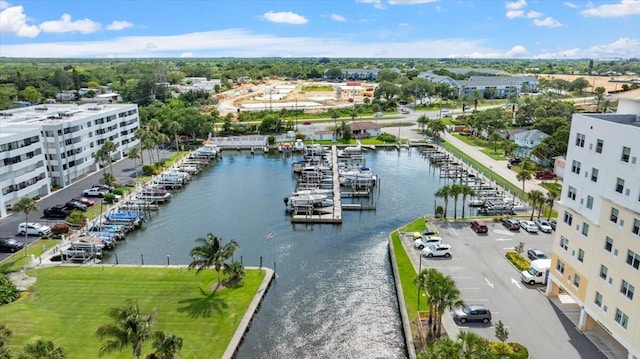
x,y
365,129
527,140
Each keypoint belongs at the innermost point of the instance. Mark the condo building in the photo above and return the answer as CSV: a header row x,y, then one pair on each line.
x,y
596,250
53,145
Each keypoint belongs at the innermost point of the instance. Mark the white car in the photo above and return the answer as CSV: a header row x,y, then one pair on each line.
x,y
422,242
445,112
437,250
529,226
95,192
35,229
543,226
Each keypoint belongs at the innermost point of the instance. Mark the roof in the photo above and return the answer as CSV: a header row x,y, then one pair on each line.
x,y
629,95
532,135
365,125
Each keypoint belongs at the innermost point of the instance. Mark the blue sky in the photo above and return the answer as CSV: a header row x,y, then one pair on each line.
x,y
310,28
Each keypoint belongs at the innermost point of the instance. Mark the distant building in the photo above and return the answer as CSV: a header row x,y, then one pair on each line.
x,y
360,74
499,86
365,129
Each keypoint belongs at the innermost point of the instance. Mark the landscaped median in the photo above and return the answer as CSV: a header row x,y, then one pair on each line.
x,y
68,303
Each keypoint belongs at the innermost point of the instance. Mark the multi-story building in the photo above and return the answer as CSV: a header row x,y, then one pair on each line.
x,y
596,250
60,140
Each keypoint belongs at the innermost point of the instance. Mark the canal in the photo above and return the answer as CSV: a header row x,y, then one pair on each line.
x,y
333,296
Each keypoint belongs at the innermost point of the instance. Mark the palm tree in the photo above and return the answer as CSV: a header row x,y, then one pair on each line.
x,y
234,271
211,252
444,192
437,128
536,197
509,147
109,180
443,348
455,191
523,176
134,153
174,127
494,138
474,345
447,296
166,345
41,349
109,147
130,328
102,157
427,280
159,138
551,200
422,121
146,138
25,205
466,191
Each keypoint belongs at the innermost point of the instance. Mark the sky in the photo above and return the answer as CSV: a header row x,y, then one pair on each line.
x,y
543,29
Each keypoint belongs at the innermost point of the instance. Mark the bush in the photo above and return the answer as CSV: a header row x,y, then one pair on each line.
x,y
60,228
150,170
76,218
8,291
387,138
520,262
519,351
109,198
118,191
501,349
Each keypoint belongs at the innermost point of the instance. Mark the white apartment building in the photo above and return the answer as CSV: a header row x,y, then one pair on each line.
x,y
596,250
68,137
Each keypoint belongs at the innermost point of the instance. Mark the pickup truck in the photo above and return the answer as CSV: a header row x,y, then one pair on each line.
x,y
94,192
58,211
545,175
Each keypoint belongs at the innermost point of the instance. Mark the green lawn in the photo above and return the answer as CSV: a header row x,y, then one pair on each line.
x,y
68,304
18,260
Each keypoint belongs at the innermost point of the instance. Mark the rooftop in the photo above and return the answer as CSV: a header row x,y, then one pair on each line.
x,y
54,113
631,120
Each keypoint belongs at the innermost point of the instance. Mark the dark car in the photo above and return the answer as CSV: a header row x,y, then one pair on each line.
x,y
73,205
479,226
515,161
511,224
472,313
553,224
10,245
545,175
534,254
58,211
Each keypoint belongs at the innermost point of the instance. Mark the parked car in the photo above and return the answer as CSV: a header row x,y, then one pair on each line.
x,y
76,205
94,192
426,241
437,250
553,224
378,114
543,226
534,254
57,211
84,200
511,224
529,226
423,233
472,313
545,175
103,187
35,229
10,245
515,161
479,226
445,112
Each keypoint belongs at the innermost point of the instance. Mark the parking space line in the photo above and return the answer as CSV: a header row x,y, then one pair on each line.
x,y
464,288
453,229
461,277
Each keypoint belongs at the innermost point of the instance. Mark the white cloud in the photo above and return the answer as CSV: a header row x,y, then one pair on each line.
x,y
376,3
13,21
517,51
517,5
410,2
624,8
533,14
403,24
439,8
571,5
4,4
84,26
624,47
285,17
186,54
512,14
118,25
337,17
547,22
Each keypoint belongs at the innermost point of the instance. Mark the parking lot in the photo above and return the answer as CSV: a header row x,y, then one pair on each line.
x,y
484,276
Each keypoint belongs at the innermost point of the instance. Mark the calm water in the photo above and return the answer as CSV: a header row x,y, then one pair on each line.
x,y
333,296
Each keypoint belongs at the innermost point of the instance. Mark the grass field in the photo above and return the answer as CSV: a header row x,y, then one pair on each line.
x,y
18,259
68,304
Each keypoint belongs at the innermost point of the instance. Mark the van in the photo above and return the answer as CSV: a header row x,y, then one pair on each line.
x,y
537,273
479,226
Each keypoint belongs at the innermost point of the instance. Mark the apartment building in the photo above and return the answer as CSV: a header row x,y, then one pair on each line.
x,y
596,250
56,144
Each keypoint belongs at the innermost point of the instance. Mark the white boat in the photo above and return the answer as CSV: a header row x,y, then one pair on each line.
x,y
356,148
476,202
307,199
208,149
153,194
299,146
302,192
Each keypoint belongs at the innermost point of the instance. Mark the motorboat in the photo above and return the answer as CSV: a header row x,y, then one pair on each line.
x,y
299,146
208,150
124,218
478,202
357,148
306,199
302,192
158,195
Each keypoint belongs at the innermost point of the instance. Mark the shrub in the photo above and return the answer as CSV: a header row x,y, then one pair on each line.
x,y
501,349
520,262
60,228
76,218
8,291
118,191
109,197
387,137
519,351
150,170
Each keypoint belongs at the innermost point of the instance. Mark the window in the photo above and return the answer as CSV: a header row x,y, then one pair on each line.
x,y
598,300
633,259
599,145
576,280
572,193
560,267
636,226
580,140
575,167
589,202
620,185
580,255
603,272
614,215
564,242
568,218
626,151
585,229
621,318
627,289
608,244
594,174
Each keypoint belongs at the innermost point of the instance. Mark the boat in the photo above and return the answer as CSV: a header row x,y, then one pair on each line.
x,y
156,195
208,150
356,148
476,202
312,191
306,199
126,218
299,146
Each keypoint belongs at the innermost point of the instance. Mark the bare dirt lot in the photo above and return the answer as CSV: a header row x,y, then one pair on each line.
x,y
611,84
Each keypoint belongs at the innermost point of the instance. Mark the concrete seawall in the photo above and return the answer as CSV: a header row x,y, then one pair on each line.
x,y
404,316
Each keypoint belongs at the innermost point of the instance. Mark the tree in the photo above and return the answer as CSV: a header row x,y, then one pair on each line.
x,y
494,138
134,154
550,200
455,191
109,147
579,84
437,127
523,176
501,332
211,252
426,281
386,90
174,127
102,157
444,193
25,205
109,180
130,328
42,349
535,197
31,94
166,345
447,296
422,121
509,147
234,271
466,191
474,346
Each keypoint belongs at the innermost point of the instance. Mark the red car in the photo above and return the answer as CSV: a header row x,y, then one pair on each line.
x,y
545,175
84,200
